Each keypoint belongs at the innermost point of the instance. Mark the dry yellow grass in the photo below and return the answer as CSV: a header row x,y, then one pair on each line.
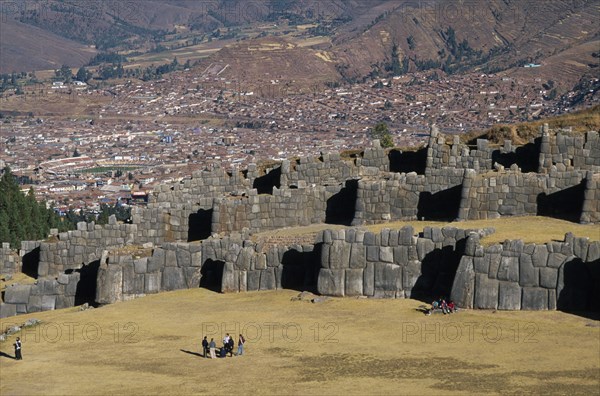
x,y
361,347
532,229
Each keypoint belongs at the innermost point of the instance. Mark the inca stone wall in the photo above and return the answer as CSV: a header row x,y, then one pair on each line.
x,y
512,193
565,151
284,208
408,196
442,182
327,168
44,295
226,265
392,263
513,276
10,262
590,212
73,249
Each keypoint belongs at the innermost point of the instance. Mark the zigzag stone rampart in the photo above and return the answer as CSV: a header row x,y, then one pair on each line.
x,y
555,174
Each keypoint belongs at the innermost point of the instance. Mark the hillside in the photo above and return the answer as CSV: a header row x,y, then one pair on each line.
x,y
486,36
27,48
271,65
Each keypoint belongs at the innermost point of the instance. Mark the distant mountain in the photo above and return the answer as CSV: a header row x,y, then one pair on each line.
x,y
486,35
364,38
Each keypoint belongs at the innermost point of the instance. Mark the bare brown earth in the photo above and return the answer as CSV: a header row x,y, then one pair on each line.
x,y
27,48
342,346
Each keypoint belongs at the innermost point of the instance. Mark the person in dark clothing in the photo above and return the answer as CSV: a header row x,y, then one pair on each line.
x,y
18,355
230,346
204,346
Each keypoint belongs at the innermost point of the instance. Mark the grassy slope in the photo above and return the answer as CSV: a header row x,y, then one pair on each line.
x,y
521,133
371,346
532,229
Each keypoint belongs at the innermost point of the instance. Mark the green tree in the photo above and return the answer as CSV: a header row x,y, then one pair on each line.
x,y
83,74
22,217
65,73
381,131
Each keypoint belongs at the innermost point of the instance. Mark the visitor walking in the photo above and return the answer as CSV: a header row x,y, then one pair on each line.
x,y
241,342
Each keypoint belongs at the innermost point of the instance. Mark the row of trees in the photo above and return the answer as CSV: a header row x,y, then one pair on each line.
x,y
22,218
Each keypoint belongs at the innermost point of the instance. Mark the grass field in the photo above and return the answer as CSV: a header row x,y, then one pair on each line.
x,y
341,346
531,229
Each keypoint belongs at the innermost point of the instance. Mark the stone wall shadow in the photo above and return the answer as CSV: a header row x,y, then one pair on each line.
x,y
442,205
565,204
31,262
86,287
341,206
526,157
199,225
211,275
408,161
264,184
580,294
438,270
300,270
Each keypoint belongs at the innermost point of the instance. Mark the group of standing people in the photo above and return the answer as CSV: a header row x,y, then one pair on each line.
x,y
209,348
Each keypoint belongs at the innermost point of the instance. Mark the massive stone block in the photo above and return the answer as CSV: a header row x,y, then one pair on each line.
x,y
331,282
369,279
534,298
548,277
253,280
267,279
509,269
172,278
48,303
152,282
388,277
358,256
354,282
486,292
528,274
17,294
7,310
109,284
410,274
509,296
540,256
339,255
463,288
